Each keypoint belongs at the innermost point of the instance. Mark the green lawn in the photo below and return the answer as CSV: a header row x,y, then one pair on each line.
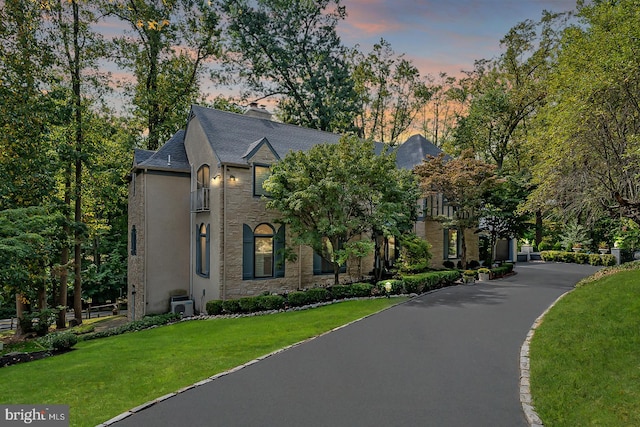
x,y
585,356
105,377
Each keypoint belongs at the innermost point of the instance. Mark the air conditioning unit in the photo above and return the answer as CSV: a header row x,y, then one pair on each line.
x,y
184,307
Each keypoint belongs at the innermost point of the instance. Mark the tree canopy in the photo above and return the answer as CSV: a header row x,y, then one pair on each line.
x,y
333,194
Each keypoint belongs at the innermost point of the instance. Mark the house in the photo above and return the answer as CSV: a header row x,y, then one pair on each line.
x,y
198,222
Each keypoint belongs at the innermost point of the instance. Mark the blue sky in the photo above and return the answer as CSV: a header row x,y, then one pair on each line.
x,y
440,35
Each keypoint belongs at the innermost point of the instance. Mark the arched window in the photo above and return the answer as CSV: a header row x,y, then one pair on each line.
x,y
203,245
263,251
200,198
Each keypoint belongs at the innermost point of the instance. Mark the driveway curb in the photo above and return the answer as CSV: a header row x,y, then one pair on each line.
x,y
525,392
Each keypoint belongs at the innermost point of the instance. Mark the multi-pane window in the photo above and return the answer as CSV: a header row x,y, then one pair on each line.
x,y
200,197
263,251
260,175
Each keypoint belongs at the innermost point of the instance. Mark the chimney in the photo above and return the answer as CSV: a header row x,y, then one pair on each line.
x,y
257,112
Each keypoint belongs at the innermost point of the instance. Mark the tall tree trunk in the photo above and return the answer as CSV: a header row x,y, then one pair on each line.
x,y
463,248
538,227
19,314
61,321
77,95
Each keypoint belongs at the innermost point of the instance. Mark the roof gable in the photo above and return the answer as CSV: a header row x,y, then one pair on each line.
x,y
234,137
256,146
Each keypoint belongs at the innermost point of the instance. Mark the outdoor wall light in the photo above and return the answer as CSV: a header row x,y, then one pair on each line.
x,y
232,178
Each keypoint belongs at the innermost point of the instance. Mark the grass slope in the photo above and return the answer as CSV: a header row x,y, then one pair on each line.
x,y
105,377
585,356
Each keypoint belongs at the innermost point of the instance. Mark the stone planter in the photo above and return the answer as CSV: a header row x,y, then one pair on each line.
x,y
603,250
484,277
468,280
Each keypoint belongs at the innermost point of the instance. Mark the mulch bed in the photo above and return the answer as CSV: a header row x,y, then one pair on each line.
x,y
15,358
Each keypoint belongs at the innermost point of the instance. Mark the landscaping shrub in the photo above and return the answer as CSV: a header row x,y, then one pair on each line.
x,y
59,341
474,264
544,246
448,264
361,290
297,298
418,283
340,291
247,304
503,270
270,302
397,286
581,258
595,259
214,307
316,295
608,260
231,306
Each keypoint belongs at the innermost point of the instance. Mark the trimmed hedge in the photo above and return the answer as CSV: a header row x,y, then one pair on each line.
x,y
397,287
59,341
501,271
316,295
579,258
297,298
423,282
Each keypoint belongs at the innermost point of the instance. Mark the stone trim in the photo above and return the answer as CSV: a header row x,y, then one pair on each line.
x,y
525,371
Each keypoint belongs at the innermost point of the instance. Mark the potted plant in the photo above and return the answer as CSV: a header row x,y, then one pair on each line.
x,y
603,247
577,247
484,274
469,277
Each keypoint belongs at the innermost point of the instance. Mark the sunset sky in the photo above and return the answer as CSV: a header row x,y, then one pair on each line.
x,y
440,35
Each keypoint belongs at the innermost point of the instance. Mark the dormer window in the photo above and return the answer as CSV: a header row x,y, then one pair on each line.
x,y
260,175
200,197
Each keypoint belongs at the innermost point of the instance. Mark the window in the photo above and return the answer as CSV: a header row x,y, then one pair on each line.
x,y
391,251
262,253
203,245
134,241
451,243
260,175
200,197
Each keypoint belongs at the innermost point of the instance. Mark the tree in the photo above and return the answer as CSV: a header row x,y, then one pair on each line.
x,y
290,50
167,47
391,91
588,142
505,93
30,239
439,114
334,193
464,182
25,166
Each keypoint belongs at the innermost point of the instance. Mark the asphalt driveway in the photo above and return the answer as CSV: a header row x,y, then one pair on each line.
x,y
448,358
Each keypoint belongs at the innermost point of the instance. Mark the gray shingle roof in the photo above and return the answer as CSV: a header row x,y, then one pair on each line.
x,y
414,150
171,156
233,135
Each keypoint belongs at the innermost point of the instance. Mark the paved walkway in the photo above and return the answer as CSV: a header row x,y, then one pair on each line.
x,y
449,358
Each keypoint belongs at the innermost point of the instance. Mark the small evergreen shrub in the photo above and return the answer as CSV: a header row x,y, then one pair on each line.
x,y
448,264
340,291
608,260
270,302
316,295
595,259
59,341
248,304
214,307
231,306
361,290
297,298
397,287
581,258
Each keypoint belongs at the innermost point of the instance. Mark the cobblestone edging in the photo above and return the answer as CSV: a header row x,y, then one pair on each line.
x,y
222,374
525,393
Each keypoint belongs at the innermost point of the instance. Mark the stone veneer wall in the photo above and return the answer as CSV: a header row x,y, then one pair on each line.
x,y
136,266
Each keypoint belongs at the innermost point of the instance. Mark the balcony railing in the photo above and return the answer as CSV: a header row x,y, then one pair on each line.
x,y
200,200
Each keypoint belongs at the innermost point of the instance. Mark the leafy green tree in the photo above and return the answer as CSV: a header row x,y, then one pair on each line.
x,y
30,240
391,90
439,114
332,194
291,50
464,182
25,166
167,47
587,143
503,94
